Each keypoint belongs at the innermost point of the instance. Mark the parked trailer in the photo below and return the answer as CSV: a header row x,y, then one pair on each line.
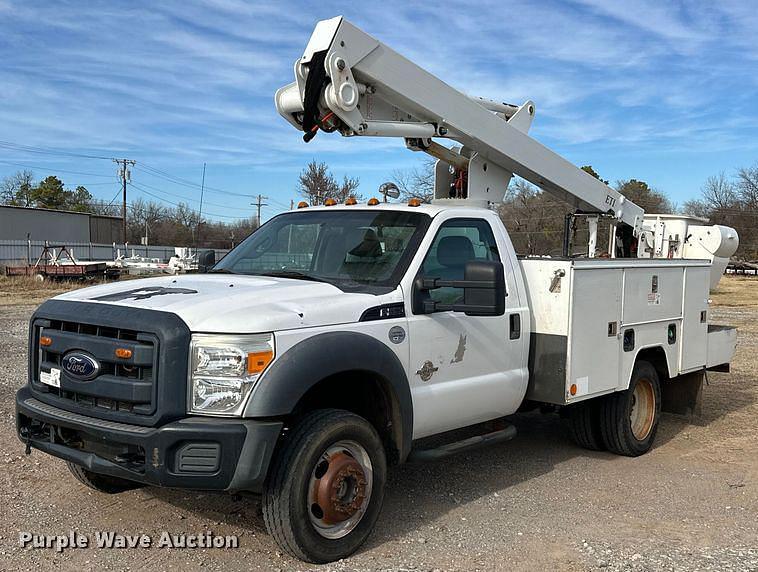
x,y
81,270
57,262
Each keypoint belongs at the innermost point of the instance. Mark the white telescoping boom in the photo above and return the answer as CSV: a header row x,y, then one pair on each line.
x,y
348,81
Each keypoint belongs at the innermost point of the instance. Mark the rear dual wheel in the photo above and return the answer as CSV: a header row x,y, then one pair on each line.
x,y
624,422
326,486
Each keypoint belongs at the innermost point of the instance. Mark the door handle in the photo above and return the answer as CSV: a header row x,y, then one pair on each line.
x,y
515,326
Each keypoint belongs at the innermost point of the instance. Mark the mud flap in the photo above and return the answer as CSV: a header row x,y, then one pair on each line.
x,y
683,395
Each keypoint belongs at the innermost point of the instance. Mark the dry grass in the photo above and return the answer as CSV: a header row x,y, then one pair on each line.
x,y
736,292
20,290
26,290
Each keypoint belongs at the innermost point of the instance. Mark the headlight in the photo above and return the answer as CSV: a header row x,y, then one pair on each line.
x,y
223,370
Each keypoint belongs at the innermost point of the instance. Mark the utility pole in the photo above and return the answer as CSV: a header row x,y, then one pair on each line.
x,y
125,175
200,216
260,204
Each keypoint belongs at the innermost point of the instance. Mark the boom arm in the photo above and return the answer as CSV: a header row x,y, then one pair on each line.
x,y
348,81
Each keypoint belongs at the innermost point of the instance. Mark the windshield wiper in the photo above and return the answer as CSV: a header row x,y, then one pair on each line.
x,y
220,271
292,274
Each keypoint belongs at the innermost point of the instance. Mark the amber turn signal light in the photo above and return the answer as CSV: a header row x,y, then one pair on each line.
x,y
45,340
123,353
258,361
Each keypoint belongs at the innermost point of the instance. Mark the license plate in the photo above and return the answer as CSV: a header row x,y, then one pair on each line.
x,y
52,377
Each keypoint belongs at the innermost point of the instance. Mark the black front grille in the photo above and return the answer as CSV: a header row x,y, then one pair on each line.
x,y
126,386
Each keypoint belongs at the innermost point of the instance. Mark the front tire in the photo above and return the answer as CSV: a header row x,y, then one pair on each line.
x,y
326,486
101,483
629,419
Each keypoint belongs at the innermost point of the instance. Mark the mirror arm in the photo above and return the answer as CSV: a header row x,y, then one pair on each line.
x,y
434,283
430,306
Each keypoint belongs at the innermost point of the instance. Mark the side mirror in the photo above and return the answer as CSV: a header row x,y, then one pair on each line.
x,y
483,291
206,260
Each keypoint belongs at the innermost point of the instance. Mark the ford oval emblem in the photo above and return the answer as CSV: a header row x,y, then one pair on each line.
x,y
80,365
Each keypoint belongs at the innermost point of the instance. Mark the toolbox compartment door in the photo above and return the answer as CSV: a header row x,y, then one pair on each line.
x,y
722,343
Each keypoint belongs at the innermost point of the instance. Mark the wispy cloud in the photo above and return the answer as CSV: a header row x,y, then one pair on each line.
x,y
182,82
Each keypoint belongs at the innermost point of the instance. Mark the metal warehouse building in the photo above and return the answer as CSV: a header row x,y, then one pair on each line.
x,y
62,227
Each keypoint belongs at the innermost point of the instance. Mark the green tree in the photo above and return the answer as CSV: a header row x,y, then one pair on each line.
x,y
79,200
651,200
591,171
50,194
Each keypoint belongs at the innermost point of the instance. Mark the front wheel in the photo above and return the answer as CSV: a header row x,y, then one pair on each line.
x,y
629,419
101,483
326,486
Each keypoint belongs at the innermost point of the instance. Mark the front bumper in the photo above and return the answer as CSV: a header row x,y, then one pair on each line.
x,y
194,453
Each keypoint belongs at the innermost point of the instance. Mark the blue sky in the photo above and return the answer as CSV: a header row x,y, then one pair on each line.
x,y
666,92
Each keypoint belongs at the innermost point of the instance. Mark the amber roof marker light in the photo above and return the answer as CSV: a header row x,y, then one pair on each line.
x,y
302,205
373,201
330,202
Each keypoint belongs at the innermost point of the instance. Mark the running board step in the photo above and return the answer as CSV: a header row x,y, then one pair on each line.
x,y
449,449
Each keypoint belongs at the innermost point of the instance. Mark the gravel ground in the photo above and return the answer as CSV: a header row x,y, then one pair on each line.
x,y
536,503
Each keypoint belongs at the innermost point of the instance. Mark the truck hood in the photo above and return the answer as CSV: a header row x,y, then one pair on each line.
x,y
236,303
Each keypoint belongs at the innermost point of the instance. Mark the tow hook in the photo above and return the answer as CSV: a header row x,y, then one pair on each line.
x,y
26,439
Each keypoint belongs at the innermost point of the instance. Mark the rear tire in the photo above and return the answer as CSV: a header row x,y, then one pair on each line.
x,y
326,486
629,419
101,483
584,424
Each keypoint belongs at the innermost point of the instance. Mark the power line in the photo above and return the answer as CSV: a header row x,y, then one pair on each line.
x,y
178,196
184,182
54,169
148,169
141,189
48,151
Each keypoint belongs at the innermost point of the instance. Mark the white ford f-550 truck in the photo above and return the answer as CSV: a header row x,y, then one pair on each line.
x,y
334,339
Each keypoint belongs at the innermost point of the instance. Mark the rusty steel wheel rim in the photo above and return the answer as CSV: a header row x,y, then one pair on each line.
x,y
642,415
339,489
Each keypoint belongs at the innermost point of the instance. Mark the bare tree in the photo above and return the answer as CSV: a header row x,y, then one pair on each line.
x,y
143,218
747,186
718,192
534,219
417,182
317,184
17,189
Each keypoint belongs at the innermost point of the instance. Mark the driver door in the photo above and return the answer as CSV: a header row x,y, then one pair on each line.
x,y
463,369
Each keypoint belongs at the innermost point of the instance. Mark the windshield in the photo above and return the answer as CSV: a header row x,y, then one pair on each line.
x,y
351,249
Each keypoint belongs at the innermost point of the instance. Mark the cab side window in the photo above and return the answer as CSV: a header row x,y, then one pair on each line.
x,y
457,242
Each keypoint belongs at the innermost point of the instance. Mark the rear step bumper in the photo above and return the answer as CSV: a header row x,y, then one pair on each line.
x,y
475,442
